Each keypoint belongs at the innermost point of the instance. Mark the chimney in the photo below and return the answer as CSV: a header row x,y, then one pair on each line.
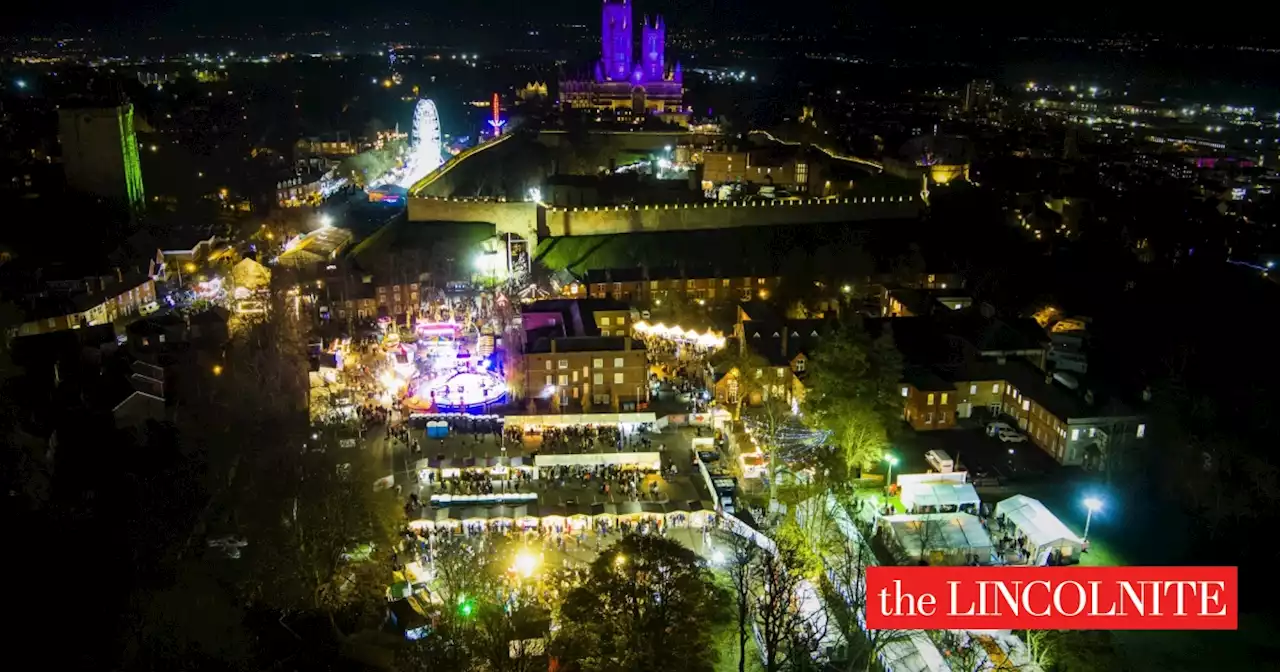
x,y
784,340
553,346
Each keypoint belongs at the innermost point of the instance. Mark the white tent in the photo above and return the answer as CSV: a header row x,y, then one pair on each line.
x,y
917,496
941,538
1044,532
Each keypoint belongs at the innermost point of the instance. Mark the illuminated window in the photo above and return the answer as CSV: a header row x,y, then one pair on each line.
x,y
604,321
1075,434
598,363
779,371
548,365
548,381
928,418
1142,431
973,389
617,363
599,379
904,392
724,282
619,378
944,398
800,365
564,380
929,402
1026,404
562,364
995,388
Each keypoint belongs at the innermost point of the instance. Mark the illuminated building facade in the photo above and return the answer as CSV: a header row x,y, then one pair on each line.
x,y
100,152
622,82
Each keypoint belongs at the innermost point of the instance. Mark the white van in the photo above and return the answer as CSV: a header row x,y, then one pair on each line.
x,y
940,460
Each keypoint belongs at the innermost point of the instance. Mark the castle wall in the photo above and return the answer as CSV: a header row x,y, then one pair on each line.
x,y
679,217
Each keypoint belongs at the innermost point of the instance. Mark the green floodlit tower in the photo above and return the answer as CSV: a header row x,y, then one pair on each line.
x,y
100,153
132,166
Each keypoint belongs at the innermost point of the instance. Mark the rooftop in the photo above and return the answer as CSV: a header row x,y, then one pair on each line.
x,y
585,344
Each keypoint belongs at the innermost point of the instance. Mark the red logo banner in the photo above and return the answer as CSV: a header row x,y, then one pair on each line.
x,y
1052,598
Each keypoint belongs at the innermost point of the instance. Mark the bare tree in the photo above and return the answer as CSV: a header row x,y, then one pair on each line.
x,y
846,556
742,556
929,532
776,605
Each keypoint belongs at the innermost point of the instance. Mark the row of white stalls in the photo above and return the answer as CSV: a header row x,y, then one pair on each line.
x,y
567,518
500,467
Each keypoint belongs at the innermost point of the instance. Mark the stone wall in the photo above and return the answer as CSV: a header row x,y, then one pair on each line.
x,y
532,221
592,221
506,217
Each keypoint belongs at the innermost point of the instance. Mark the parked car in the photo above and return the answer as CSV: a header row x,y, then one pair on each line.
x,y
1009,436
995,428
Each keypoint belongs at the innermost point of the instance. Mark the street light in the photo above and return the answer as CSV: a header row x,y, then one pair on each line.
x,y
525,564
893,462
1092,504
326,220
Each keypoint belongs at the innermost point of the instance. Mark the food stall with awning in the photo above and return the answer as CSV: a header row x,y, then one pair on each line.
x,y
526,516
646,461
677,514
579,517
500,517
553,517
630,511
653,512
447,519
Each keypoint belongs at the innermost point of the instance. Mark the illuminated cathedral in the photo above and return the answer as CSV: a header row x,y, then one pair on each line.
x,y
622,83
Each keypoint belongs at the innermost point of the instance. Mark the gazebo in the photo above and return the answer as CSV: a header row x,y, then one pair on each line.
x,y
1041,534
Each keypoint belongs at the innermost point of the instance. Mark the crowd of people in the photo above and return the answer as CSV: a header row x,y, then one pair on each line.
x,y
590,438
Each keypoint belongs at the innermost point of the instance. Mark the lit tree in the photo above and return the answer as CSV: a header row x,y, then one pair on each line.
x,y
852,387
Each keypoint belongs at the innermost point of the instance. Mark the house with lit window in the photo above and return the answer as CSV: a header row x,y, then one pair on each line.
x,y
783,345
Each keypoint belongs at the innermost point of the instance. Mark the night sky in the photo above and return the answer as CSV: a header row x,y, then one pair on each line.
x,y
995,18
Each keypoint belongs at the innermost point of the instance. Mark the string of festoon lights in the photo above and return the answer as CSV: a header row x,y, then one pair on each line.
x,y
708,340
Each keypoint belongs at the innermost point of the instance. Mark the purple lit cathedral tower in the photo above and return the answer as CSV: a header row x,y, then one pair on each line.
x,y
625,82
652,45
616,39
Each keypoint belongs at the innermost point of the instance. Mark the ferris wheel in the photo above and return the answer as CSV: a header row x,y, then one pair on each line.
x,y
424,152
426,126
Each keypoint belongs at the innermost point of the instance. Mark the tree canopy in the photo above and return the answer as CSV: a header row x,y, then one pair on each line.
x,y
648,604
